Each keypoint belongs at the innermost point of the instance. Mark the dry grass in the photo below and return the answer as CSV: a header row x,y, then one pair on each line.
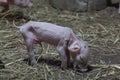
x,y
101,30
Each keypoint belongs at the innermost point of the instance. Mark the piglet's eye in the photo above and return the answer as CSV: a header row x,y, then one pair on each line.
x,y
81,59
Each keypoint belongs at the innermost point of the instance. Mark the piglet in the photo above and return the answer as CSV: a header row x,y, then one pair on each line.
x,y
67,44
21,3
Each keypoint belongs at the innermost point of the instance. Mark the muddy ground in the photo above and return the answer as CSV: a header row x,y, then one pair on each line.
x,y
100,29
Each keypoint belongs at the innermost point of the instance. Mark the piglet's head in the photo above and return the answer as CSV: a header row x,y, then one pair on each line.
x,y
79,55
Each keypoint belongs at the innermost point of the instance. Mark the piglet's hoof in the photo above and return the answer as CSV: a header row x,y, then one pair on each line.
x,y
35,66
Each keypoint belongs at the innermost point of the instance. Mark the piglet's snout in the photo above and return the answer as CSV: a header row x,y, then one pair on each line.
x,y
29,4
83,69
80,64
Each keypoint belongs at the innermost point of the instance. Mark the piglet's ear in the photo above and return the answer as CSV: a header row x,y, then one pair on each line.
x,y
74,48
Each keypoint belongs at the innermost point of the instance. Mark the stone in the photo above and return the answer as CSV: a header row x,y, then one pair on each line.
x,y
78,5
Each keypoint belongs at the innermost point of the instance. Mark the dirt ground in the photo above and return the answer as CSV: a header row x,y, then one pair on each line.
x,y
100,29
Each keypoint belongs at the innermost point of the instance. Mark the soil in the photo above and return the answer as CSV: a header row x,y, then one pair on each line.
x,y
100,29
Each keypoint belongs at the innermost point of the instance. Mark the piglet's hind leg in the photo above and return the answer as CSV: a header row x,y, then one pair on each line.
x,y
29,45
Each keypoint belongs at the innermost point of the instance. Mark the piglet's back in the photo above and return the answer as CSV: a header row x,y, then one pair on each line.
x,y
46,32
46,26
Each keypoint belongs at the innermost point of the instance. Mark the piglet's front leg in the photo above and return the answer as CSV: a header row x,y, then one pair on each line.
x,y
63,57
62,50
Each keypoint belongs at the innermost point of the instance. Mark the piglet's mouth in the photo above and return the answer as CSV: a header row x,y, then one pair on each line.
x,y
79,69
82,70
